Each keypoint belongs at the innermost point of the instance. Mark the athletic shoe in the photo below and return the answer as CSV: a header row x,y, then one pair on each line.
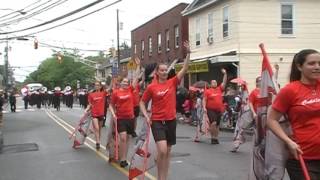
x,y
123,164
234,150
97,146
214,141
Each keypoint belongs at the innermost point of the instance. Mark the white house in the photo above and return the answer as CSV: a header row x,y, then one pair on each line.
x,y
228,32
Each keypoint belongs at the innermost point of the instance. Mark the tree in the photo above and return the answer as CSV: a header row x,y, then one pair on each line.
x,y
51,73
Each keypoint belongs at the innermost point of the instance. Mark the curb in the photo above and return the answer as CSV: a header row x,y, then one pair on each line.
x,y
1,140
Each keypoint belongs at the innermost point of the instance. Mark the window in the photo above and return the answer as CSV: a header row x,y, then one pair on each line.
x,y
198,42
167,40
159,43
150,46
286,19
135,48
225,22
142,49
176,36
210,28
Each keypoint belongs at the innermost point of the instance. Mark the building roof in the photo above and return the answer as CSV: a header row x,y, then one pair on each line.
x,y
197,5
180,4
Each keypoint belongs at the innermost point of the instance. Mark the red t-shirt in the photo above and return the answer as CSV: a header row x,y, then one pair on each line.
x,y
214,99
122,99
301,103
97,102
163,96
254,98
136,94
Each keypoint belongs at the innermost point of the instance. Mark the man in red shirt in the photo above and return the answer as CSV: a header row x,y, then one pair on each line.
x,y
213,105
162,93
254,98
96,101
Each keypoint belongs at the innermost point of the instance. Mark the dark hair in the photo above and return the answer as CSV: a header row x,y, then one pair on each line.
x,y
298,60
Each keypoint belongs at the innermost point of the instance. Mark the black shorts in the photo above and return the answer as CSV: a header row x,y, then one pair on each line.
x,y
295,171
214,116
136,111
100,118
164,130
125,125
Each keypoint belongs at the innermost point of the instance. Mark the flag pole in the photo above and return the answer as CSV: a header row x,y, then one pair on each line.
x,y
304,168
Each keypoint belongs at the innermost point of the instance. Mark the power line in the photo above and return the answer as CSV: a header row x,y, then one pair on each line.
x,y
59,47
115,2
27,10
46,8
20,9
56,19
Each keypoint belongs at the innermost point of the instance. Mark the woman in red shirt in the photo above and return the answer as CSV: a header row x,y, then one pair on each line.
x,y
300,101
213,106
122,109
96,101
162,93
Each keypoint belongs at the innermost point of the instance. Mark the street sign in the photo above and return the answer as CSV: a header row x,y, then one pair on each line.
x,y
131,65
115,68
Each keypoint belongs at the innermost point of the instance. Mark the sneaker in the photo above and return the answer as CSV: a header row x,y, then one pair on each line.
x,y
234,150
97,146
196,140
214,141
123,164
134,134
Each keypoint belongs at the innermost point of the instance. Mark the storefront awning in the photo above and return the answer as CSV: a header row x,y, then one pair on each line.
x,y
220,59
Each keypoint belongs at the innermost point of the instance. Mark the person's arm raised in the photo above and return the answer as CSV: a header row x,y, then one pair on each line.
x,y
184,69
137,73
224,81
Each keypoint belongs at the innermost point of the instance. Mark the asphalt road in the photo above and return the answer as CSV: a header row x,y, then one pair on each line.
x,y
49,154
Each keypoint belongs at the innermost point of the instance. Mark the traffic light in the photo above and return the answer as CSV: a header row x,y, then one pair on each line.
x,y
112,52
35,43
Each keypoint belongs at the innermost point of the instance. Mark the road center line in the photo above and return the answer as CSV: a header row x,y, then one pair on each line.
x,y
63,124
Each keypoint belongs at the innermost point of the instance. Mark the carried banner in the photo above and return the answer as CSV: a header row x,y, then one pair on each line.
x,y
144,157
268,89
82,130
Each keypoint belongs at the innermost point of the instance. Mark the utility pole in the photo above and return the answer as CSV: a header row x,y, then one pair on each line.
x,y
118,41
5,70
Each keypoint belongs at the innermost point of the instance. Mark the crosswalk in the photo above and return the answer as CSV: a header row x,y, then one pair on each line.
x,y
32,109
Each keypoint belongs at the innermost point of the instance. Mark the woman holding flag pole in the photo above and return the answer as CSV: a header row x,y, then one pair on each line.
x,y
162,92
300,101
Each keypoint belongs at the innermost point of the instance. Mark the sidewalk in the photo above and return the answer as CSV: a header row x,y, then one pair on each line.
x,y
1,139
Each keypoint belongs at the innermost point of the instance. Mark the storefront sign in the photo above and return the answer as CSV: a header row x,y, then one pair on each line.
x,y
194,67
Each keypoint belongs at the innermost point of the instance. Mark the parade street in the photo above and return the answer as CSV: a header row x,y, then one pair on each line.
x,y
36,146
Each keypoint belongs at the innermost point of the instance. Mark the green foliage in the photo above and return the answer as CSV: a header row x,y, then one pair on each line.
x,y
51,73
100,58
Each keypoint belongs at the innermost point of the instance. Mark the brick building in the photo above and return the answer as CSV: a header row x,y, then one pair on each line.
x,y
161,39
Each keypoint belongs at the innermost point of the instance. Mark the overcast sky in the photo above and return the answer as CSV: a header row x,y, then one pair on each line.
x,y
97,31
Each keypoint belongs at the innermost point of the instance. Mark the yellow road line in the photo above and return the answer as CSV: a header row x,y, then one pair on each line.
x,y
60,122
